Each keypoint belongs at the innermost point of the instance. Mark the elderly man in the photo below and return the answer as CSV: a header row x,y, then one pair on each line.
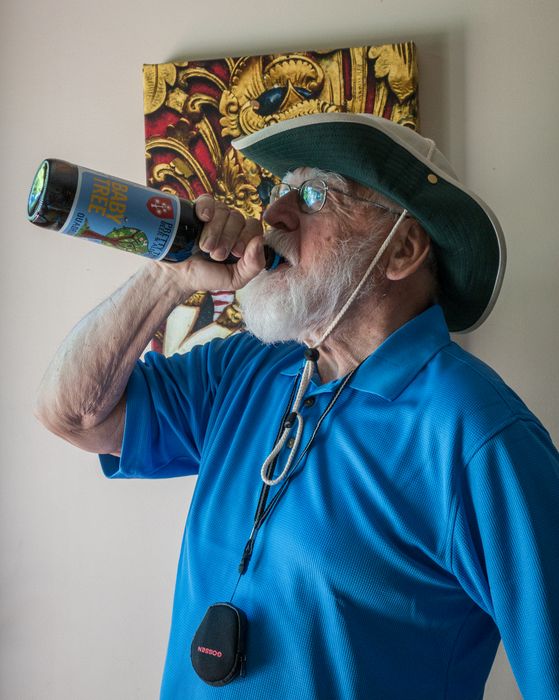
x,y
373,511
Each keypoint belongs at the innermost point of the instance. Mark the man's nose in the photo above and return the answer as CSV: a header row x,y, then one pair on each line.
x,y
283,213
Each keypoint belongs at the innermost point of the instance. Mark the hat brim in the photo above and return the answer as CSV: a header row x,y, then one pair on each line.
x,y
468,240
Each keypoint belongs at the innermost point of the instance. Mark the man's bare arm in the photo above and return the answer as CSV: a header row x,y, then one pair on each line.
x,y
82,396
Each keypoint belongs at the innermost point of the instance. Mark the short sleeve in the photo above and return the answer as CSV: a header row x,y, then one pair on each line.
x,y
505,548
168,402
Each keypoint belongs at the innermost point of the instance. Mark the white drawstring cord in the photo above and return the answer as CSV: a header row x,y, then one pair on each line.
x,y
287,427
368,271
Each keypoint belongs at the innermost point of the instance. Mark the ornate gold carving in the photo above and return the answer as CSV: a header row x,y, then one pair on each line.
x,y
381,97
237,186
187,162
396,63
245,85
205,130
396,69
196,299
165,173
156,79
196,103
297,78
230,317
176,100
358,80
333,87
295,69
204,73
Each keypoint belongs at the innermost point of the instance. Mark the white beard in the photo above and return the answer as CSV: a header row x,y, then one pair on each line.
x,y
289,304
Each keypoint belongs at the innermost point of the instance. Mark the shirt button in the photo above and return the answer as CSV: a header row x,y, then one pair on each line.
x,y
290,442
309,402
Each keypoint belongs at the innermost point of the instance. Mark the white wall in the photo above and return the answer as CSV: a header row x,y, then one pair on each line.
x,y
88,565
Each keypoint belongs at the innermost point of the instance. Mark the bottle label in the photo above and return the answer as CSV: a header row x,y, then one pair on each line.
x,y
123,215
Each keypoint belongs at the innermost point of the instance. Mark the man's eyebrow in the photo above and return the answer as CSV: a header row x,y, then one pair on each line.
x,y
291,175
332,179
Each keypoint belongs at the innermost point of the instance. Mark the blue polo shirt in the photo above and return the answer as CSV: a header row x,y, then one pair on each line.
x,y
420,527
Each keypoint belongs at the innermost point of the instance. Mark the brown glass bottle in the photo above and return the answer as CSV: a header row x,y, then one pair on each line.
x,y
124,215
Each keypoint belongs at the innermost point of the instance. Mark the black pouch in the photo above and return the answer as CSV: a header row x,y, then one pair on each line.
x,y
217,651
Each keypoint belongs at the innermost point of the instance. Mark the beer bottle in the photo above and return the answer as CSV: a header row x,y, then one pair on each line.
x,y
117,213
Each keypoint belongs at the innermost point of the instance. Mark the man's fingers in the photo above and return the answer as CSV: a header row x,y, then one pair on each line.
x,y
225,231
251,228
213,234
250,264
204,207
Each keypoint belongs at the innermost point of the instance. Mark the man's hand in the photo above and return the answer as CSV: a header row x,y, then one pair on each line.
x,y
226,232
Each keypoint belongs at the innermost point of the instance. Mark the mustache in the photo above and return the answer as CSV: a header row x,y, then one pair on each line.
x,y
284,243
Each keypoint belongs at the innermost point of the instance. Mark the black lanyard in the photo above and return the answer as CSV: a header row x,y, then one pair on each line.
x,y
263,510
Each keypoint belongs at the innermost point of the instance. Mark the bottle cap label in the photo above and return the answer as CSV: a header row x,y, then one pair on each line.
x,y
37,192
123,215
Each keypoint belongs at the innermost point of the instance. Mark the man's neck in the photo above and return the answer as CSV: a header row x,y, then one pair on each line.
x,y
359,334
341,353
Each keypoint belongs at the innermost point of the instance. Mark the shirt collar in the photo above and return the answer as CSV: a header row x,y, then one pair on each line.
x,y
398,360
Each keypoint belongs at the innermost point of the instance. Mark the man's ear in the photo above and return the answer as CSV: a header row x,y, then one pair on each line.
x,y
408,251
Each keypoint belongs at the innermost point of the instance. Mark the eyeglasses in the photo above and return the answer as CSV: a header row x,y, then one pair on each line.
x,y
312,195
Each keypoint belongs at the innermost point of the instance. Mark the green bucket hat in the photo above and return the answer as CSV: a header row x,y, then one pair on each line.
x,y
399,163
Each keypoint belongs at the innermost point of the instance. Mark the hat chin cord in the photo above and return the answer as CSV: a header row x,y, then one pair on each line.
x,y
311,356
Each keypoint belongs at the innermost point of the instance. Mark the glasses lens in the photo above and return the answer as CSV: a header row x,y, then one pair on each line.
x,y
313,196
279,191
